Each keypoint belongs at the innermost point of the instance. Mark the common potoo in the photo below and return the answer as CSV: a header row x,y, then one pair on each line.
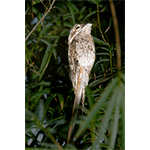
x,y
81,55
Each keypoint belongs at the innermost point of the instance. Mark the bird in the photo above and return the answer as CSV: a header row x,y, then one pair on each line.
x,y
81,57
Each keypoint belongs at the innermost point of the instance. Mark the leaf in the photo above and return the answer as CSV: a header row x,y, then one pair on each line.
x,y
107,117
51,36
102,60
36,1
35,10
102,54
95,1
82,9
46,105
45,57
123,113
46,42
67,24
66,16
97,106
40,111
105,8
90,97
100,42
90,14
91,103
123,77
55,53
104,48
116,119
39,93
61,100
29,113
74,7
71,10
101,80
27,10
47,28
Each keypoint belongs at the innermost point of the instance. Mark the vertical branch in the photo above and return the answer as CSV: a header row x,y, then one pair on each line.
x,y
99,25
116,29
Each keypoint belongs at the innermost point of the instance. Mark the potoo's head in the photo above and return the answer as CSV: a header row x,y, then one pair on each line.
x,y
77,29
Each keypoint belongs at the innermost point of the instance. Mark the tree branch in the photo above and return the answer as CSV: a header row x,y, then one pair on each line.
x,y
116,29
40,20
99,25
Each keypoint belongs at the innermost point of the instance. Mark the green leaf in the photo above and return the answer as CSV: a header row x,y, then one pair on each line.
x,y
29,113
46,42
102,54
95,1
90,97
105,8
51,36
90,14
55,53
97,106
67,24
45,57
39,93
71,10
36,1
35,10
46,105
123,77
82,9
107,117
40,111
101,80
66,16
47,29
27,10
116,119
74,7
61,100
123,113
100,42
104,48
102,60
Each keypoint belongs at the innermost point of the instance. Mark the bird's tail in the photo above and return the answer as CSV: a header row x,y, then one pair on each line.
x,y
79,92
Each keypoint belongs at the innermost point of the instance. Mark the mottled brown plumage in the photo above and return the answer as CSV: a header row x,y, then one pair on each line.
x,y
81,53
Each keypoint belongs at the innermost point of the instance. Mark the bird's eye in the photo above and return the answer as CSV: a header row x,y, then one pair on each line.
x,y
78,27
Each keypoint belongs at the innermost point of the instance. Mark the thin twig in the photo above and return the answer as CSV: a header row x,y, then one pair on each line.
x,y
40,20
116,29
43,4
